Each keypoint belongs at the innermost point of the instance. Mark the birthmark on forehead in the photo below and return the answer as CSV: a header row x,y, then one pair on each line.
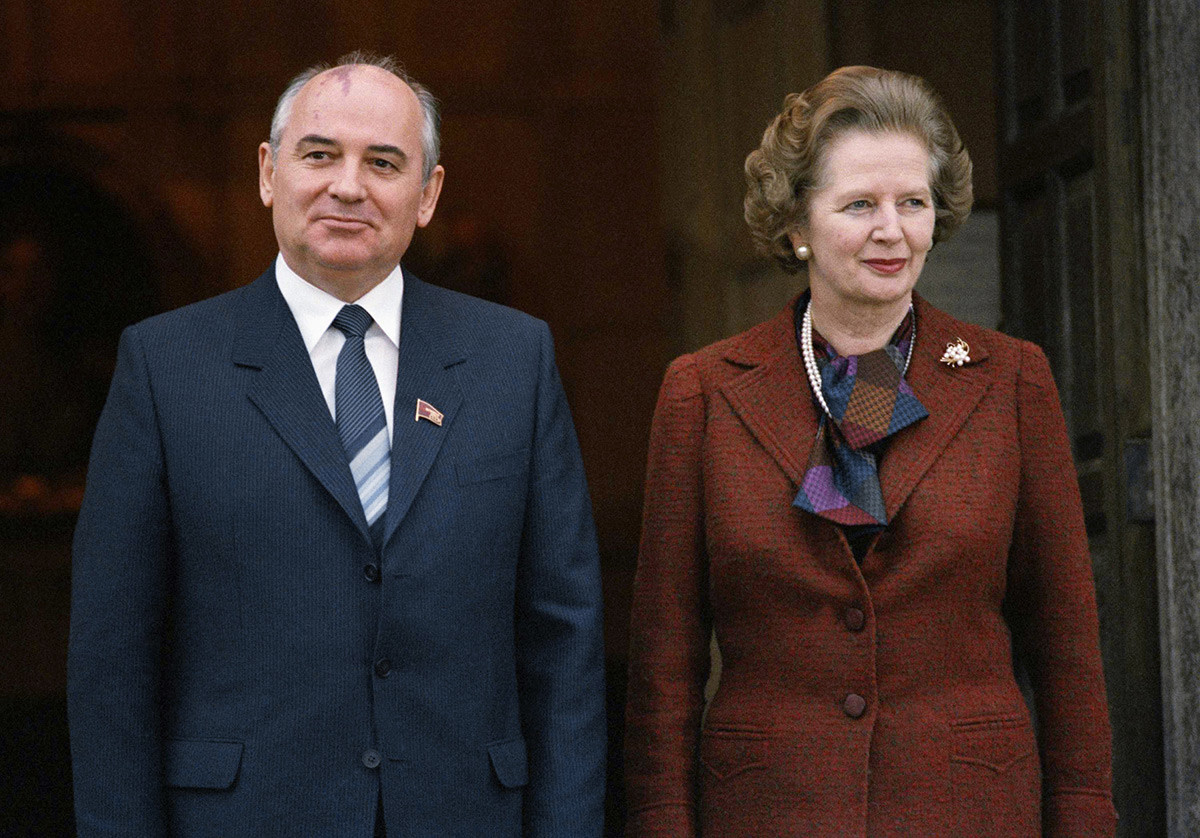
x,y
344,75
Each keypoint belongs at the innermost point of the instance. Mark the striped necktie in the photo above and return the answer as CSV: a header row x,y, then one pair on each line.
x,y
361,422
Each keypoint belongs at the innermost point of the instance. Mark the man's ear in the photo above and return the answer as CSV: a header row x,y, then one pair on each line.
x,y
266,174
429,195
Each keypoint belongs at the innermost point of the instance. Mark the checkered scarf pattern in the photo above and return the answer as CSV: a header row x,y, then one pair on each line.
x,y
870,401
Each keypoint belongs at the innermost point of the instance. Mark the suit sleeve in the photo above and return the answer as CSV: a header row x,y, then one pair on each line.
x,y
1053,612
118,593
671,624
560,646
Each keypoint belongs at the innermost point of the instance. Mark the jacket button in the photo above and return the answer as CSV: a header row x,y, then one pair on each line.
x,y
371,759
382,667
854,705
371,571
855,619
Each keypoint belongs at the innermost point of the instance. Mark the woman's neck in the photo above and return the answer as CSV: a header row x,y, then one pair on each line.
x,y
857,330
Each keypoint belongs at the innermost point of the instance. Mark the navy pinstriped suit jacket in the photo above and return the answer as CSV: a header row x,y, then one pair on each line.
x,y
243,662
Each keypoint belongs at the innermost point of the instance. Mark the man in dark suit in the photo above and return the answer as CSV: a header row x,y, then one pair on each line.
x,y
335,572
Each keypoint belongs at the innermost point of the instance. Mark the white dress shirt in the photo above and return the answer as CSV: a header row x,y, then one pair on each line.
x,y
314,311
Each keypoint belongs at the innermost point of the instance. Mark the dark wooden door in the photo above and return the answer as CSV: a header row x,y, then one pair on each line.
x,y
1073,283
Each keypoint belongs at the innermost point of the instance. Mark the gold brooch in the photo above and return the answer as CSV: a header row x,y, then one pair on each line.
x,y
957,353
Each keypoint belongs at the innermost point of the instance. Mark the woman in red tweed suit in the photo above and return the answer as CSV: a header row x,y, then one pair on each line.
x,y
867,682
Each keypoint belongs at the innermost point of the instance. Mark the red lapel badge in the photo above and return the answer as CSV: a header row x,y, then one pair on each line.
x,y
427,411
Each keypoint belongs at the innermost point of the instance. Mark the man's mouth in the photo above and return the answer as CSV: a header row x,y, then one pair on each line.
x,y
343,221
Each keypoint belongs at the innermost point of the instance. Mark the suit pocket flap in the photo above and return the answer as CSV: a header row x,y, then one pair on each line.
x,y
993,742
492,466
509,762
202,763
727,752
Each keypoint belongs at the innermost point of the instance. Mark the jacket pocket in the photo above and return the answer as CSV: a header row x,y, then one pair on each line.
x,y
995,777
491,466
202,763
728,751
995,743
509,761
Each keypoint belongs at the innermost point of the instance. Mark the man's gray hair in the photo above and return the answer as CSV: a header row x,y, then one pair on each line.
x,y
431,121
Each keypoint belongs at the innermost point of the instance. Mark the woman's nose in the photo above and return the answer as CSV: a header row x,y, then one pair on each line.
x,y
887,224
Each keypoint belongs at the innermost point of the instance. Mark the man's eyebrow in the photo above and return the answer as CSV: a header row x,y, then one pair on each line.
x,y
388,149
315,139
378,148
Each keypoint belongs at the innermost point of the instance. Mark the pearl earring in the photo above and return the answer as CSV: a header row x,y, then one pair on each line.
x,y
802,252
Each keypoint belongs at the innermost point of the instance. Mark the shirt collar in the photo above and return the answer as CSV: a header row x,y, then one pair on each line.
x,y
315,309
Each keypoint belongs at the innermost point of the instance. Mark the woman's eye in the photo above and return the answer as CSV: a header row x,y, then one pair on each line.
x,y
860,204
917,203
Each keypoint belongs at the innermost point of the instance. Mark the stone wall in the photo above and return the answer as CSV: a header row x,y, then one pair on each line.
x,y
1171,141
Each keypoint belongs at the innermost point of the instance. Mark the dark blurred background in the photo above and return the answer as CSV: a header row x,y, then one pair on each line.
x,y
593,154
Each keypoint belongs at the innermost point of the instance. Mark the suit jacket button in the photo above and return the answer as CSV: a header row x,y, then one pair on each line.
x,y
382,667
371,759
854,705
371,571
855,619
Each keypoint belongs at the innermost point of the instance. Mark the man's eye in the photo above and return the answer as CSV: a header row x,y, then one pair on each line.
x,y
317,155
380,163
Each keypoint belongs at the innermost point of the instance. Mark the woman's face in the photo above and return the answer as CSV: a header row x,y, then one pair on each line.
x,y
870,224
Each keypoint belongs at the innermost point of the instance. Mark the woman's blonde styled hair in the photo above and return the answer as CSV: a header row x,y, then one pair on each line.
x,y
787,166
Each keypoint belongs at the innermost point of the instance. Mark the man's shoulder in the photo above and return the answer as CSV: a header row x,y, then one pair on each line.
x,y
475,307
474,321
207,316
192,338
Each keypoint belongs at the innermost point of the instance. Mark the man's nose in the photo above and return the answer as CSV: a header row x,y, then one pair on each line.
x,y
347,183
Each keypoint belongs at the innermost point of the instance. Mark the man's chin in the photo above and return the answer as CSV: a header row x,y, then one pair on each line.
x,y
342,262
345,260
346,276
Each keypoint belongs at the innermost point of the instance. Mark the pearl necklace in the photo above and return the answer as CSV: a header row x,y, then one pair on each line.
x,y
810,360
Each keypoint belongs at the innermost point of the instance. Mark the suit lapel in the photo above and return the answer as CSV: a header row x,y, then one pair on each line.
x,y
426,356
286,390
950,394
773,399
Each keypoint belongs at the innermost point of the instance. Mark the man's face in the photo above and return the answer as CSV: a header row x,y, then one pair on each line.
x,y
345,185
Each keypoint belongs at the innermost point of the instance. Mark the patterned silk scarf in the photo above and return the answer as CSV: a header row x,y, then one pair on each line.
x,y
870,401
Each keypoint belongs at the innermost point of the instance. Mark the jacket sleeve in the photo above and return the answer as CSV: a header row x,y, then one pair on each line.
x,y
559,633
671,624
118,592
1054,620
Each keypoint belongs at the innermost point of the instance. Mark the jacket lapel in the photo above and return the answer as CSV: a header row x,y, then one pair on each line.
x,y
288,394
773,399
950,394
427,354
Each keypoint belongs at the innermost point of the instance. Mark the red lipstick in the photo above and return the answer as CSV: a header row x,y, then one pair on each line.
x,y
886,266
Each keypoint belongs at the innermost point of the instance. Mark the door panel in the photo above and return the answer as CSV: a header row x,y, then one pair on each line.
x,y
1072,284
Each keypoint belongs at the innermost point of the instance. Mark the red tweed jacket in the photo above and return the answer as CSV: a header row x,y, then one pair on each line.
x,y
871,700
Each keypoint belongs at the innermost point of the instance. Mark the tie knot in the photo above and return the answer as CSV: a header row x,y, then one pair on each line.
x,y
353,321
